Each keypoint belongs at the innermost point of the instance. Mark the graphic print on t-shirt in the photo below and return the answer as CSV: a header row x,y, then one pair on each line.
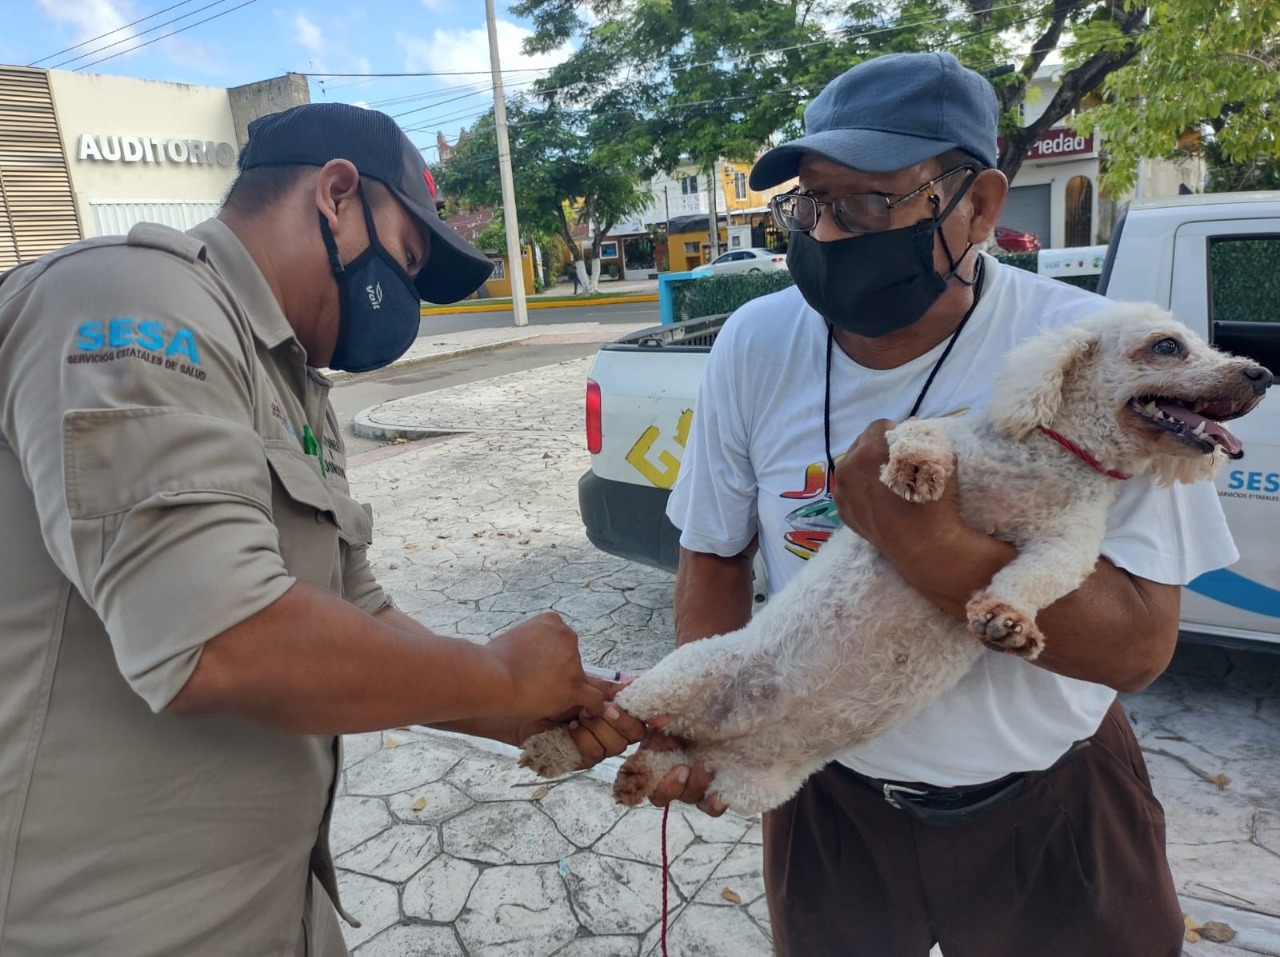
x,y
810,525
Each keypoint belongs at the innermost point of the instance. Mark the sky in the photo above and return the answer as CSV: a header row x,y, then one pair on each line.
x,y
242,41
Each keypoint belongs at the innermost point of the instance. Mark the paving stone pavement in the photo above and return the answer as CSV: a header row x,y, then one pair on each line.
x,y
447,847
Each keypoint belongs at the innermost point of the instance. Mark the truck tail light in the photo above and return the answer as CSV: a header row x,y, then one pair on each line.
x,y
595,436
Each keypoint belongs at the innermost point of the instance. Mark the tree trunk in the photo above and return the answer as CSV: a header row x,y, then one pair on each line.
x,y
1075,83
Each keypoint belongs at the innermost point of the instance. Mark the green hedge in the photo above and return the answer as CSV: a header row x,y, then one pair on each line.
x,y
1031,263
1245,283
1245,277
716,295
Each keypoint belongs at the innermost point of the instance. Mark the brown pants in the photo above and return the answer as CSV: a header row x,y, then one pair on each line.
x,y
1073,866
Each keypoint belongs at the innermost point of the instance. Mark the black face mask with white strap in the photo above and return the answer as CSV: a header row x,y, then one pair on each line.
x,y
381,309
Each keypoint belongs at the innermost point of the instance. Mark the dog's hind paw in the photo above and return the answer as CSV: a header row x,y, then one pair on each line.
x,y
1000,626
550,754
918,478
643,771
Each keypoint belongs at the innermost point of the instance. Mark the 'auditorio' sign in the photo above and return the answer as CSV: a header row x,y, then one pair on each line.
x,y
103,148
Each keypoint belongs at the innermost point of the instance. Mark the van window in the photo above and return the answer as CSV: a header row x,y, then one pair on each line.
x,y
1244,297
1244,279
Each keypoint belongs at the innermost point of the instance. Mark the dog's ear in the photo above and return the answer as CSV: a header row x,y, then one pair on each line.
x,y
1029,388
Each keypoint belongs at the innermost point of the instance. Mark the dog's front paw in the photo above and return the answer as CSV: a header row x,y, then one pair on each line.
x,y
999,625
919,477
550,754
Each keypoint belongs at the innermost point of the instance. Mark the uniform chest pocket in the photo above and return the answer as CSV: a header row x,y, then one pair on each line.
x,y
298,477
307,517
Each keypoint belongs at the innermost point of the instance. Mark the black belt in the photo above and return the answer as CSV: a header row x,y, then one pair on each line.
x,y
949,807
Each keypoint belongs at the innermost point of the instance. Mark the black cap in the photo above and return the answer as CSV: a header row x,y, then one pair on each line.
x,y
315,133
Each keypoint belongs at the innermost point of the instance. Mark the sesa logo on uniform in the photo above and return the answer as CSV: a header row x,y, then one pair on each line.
x,y
155,343
152,337
374,293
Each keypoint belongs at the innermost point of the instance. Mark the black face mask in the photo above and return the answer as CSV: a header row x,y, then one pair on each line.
x,y
876,283
379,301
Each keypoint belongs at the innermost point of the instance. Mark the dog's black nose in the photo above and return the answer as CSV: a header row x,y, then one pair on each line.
x,y
1259,377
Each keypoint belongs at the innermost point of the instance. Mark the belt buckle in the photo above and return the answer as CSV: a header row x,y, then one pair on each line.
x,y
890,789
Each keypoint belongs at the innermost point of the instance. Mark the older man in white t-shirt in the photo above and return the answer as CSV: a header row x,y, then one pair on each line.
x,y
1012,817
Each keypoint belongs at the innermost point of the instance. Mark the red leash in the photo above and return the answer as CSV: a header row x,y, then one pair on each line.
x,y
665,868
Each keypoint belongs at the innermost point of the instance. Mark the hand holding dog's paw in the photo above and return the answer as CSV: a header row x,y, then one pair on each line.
x,y
1000,626
917,478
550,754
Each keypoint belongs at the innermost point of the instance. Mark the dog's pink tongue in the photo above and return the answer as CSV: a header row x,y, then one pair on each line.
x,y
1213,431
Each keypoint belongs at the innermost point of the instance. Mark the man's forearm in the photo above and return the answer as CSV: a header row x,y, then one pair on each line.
x,y
713,594
1115,629
497,729
313,663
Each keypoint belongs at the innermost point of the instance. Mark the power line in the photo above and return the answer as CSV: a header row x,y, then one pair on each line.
x,y
189,26
135,36
436,72
103,36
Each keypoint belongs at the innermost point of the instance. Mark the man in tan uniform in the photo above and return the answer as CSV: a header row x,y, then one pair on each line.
x,y
187,616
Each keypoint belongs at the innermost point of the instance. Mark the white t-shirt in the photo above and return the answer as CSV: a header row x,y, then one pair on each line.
x,y
756,462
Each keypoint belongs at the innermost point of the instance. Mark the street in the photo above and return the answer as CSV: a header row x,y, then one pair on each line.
x,y
353,394
620,312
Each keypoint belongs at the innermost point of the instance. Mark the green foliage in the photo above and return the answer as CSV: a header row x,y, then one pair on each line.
x,y
711,79
1229,177
1246,280
1202,62
558,157
713,295
493,238
1027,261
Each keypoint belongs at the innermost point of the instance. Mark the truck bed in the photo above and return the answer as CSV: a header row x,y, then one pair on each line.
x,y
696,335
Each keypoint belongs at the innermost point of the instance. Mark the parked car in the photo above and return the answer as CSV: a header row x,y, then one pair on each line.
x,y
743,260
1014,241
1207,259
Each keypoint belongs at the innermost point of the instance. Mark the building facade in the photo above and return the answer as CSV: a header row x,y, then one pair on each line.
x,y
88,154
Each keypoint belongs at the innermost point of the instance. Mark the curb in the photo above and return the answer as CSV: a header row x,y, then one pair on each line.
x,y
505,305
366,428
404,364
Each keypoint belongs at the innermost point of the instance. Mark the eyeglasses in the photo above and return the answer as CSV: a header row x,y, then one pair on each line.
x,y
798,211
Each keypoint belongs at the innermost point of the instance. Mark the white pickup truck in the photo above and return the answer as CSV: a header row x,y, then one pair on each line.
x,y
1213,260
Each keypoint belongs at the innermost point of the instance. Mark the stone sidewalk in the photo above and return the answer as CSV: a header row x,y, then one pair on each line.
x,y
446,847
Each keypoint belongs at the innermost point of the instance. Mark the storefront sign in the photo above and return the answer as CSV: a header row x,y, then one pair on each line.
x,y
1058,143
154,149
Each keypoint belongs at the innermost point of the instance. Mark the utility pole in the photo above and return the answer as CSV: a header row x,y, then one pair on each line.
x,y
515,263
715,213
667,200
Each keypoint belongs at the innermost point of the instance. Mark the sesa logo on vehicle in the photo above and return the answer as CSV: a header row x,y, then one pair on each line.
x,y
1265,482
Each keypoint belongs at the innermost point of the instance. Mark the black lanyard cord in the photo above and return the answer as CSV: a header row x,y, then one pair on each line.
x,y
924,390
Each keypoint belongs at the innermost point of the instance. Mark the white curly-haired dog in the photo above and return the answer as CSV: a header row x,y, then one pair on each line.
x,y
848,649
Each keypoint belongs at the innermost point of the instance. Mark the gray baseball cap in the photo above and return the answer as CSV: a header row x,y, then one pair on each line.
x,y
891,112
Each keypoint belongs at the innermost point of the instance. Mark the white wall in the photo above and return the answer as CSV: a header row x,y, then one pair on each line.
x,y
161,117
1057,175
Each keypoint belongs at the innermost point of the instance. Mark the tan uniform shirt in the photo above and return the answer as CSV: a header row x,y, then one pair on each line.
x,y
168,467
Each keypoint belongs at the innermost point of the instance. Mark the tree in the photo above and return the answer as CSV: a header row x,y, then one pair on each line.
x,y
566,169
1205,64
706,79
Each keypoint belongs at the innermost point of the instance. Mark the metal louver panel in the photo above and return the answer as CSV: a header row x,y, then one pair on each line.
x,y
116,219
37,210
